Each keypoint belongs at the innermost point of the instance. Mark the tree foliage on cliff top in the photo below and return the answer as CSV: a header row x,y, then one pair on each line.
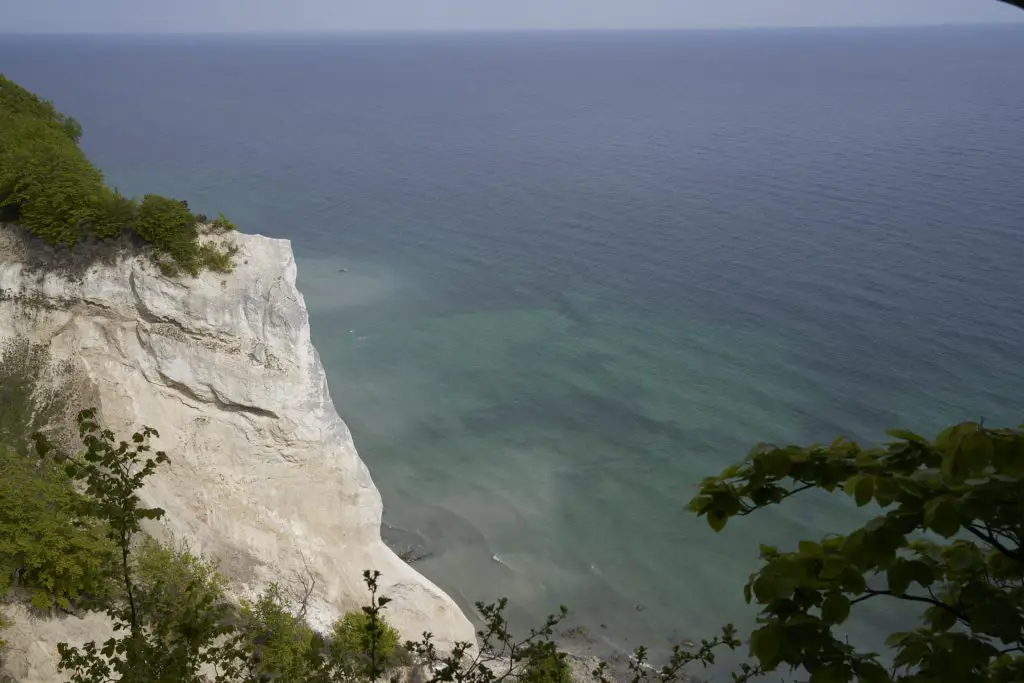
x,y
49,186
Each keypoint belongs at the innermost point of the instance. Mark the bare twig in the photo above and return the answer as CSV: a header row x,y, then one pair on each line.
x,y
303,585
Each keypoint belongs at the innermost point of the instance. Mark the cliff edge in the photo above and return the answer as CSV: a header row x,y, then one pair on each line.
x,y
263,474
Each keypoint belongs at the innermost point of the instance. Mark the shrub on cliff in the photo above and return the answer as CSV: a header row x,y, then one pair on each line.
x,y
278,644
549,668
46,183
170,227
18,101
49,187
181,600
366,642
115,214
222,223
51,547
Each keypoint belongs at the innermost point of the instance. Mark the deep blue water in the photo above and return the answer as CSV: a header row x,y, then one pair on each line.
x,y
556,279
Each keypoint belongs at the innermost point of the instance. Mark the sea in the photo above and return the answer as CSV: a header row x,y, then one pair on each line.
x,y
556,279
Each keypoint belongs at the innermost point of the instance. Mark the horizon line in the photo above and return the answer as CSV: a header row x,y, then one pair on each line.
x,y
515,30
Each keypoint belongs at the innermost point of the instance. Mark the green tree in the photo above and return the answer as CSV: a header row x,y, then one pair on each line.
x,y
170,608
48,186
367,642
181,600
111,474
50,545
363,644
948,541
277,643
46,182
170,227
552,668
115,214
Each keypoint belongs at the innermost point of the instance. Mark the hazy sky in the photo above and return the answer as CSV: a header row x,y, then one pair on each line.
x,y
177,16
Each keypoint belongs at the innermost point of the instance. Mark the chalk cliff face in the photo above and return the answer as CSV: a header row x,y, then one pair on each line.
x,y
263,471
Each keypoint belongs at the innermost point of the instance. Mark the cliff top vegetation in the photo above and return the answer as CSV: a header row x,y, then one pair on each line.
x,y
49,186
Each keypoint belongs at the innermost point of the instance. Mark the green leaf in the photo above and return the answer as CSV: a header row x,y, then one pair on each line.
x,y
949,437
872,672
907,435
911,654
765,643
776,463
809,548
886,491
850,486
897,639
834,673
1008,457
899,576
832,567
864,490
766,588
921,572
853,546
854,582
940,516
977,451
699,504
717,519
941,619
835,609
996,617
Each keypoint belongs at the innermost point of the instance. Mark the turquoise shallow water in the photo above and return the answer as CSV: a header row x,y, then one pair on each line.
x,y
556,280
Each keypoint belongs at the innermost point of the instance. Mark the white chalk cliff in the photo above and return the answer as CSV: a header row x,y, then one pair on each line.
x,y
263,474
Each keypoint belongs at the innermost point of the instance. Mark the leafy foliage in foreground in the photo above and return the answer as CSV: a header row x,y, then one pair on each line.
x,y
366,640
48,186
948,541
946,545
175,623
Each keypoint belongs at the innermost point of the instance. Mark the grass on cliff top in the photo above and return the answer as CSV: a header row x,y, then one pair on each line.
x,y
48,186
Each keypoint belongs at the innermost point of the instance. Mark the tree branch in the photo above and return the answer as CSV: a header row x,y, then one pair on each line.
x,y
748,509
912,598
989,537
304,584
